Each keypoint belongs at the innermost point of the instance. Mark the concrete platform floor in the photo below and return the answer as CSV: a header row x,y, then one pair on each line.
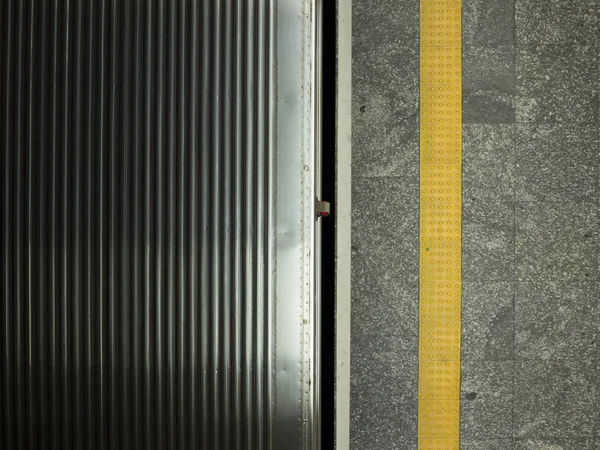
x,y
531,228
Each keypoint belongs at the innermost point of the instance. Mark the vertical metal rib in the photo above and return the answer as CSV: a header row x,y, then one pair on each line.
x,y
149,211
216,237
102,430
238,249
195,369
30,390
137,225
249,229
18,235
7,238
137,233
205,133
160,221
44,163
183,204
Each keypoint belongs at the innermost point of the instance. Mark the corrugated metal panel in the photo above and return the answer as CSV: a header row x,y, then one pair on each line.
x,y
138,226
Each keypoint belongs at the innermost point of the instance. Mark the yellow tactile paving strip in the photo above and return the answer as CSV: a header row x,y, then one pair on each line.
x,y
440,225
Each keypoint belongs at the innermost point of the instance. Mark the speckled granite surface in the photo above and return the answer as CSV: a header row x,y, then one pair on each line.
x,y
531,194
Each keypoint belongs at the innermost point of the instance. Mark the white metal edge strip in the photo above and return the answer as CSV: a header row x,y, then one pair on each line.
x,y
343,222
295,227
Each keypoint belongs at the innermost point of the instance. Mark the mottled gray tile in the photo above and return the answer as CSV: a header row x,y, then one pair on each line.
x,y
388,307
487,321
391,427
485,444
488,241
383,403
377,23
489,22
385,227
486,399
554,398
385,84
385,104
555,444
488,162
489,84
557,162
557,83
556,241
384,147
556,21
556,320
379,363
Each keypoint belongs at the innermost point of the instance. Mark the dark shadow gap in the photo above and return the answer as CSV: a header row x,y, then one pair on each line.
x,y
328,127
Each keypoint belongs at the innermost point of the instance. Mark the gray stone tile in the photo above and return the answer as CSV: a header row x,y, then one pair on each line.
x,y
557,83
384,147
554,398
383,404
488,241
489,84
385,228
556,241
556,162
386,307
488,162
554,444
379,364
385,84
392,427
489,22
487,321
486,399
556,320
377,23
485,444
385,105
556,21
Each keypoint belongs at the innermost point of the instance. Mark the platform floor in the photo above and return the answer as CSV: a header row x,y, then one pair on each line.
x,y
531,228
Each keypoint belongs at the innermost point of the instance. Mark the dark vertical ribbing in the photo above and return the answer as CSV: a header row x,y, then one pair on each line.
x,y
7,238
66,243
226,303
135,325
238,249
75,208
182,195
54,343
112,364
205,292
147,404
30,411
3,248
215,265
195,370
126,243
249,232
134,232
160,230
102,432
171,211
44,165
19,365
92,221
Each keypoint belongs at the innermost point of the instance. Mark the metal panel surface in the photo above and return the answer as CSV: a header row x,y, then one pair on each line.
x,y
158,227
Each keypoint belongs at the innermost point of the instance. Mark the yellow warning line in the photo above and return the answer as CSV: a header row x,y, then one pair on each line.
x,y
440,225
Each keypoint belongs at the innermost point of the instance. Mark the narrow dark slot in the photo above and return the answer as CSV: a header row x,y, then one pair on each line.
x,y
328,127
